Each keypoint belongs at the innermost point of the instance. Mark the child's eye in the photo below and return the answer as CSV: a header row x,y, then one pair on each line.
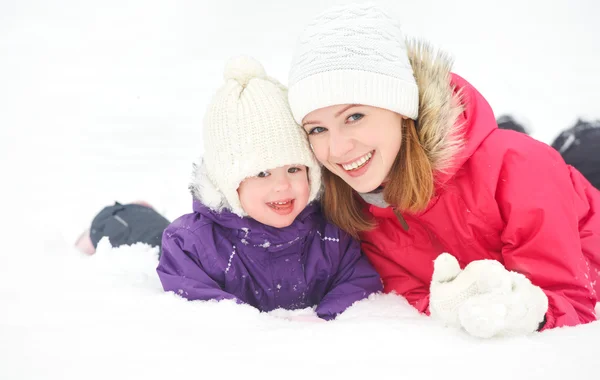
x,y
316,130
294,170
263,174
355,117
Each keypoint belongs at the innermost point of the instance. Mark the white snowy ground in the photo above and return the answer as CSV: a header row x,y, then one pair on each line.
x,y
103,101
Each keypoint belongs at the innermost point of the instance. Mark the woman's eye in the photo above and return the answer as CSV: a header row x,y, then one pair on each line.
x,y
294,170
263,174
316,130
355,117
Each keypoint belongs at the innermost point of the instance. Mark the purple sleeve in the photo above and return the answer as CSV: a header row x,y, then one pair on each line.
x,y
181,271
354,280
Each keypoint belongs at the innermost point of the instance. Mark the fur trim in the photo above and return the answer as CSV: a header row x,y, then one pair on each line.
x,y
204,189
439,104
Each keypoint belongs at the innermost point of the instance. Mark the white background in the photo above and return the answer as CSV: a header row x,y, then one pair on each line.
x,y
103,101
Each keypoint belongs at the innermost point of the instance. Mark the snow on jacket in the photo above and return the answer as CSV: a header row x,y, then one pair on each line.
x,y
209,255
500,195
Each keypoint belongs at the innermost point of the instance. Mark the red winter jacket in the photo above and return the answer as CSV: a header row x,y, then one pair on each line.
x,y
501,196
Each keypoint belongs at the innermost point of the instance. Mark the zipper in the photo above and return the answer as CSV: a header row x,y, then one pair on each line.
x,y
401,219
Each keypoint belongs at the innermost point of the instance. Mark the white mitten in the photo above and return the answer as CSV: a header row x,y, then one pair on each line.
x,y
451,287
517,312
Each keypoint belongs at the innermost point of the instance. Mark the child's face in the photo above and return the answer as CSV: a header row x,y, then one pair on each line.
x,y
276,197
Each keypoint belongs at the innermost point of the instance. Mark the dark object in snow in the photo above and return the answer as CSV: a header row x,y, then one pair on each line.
x,y
580,148
128,224
507,122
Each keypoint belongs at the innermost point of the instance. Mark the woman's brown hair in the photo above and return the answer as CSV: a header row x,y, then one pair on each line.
x,y
409,187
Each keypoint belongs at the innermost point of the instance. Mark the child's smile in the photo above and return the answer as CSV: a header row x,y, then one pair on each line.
x,y
282,207
275,197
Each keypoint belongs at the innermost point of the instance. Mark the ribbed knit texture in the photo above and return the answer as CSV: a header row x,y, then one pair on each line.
x,y
352,54
248,128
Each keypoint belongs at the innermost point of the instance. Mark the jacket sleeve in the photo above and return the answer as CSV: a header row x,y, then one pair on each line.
x,y
396,279
354,280
541,207
181,271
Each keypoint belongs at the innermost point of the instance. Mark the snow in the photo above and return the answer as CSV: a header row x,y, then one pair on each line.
x,y
103,101
230,259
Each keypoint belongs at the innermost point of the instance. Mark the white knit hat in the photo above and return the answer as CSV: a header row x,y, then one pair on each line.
x,y
352,54
248,128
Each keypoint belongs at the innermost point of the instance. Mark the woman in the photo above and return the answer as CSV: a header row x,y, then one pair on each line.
x,y
415,166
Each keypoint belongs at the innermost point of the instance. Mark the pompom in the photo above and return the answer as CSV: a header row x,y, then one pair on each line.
x,y
243,69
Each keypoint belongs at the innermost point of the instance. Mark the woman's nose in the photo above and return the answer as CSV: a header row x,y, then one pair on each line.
x,y
339,144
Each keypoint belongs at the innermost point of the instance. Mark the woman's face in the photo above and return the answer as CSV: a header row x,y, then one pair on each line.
x,y
357,143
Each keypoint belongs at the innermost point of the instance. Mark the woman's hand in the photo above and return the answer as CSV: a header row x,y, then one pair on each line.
x,y
485,299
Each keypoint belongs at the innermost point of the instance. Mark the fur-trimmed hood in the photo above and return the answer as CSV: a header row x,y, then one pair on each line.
x,y
204,190
448,127
439,104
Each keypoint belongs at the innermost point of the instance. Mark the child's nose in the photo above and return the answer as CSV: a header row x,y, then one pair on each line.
x,y
282,183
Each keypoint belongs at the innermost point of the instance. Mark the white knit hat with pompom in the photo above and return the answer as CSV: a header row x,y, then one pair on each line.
x,y
248,128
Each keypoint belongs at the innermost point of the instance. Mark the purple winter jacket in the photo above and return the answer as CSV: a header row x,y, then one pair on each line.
x,y
208,255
